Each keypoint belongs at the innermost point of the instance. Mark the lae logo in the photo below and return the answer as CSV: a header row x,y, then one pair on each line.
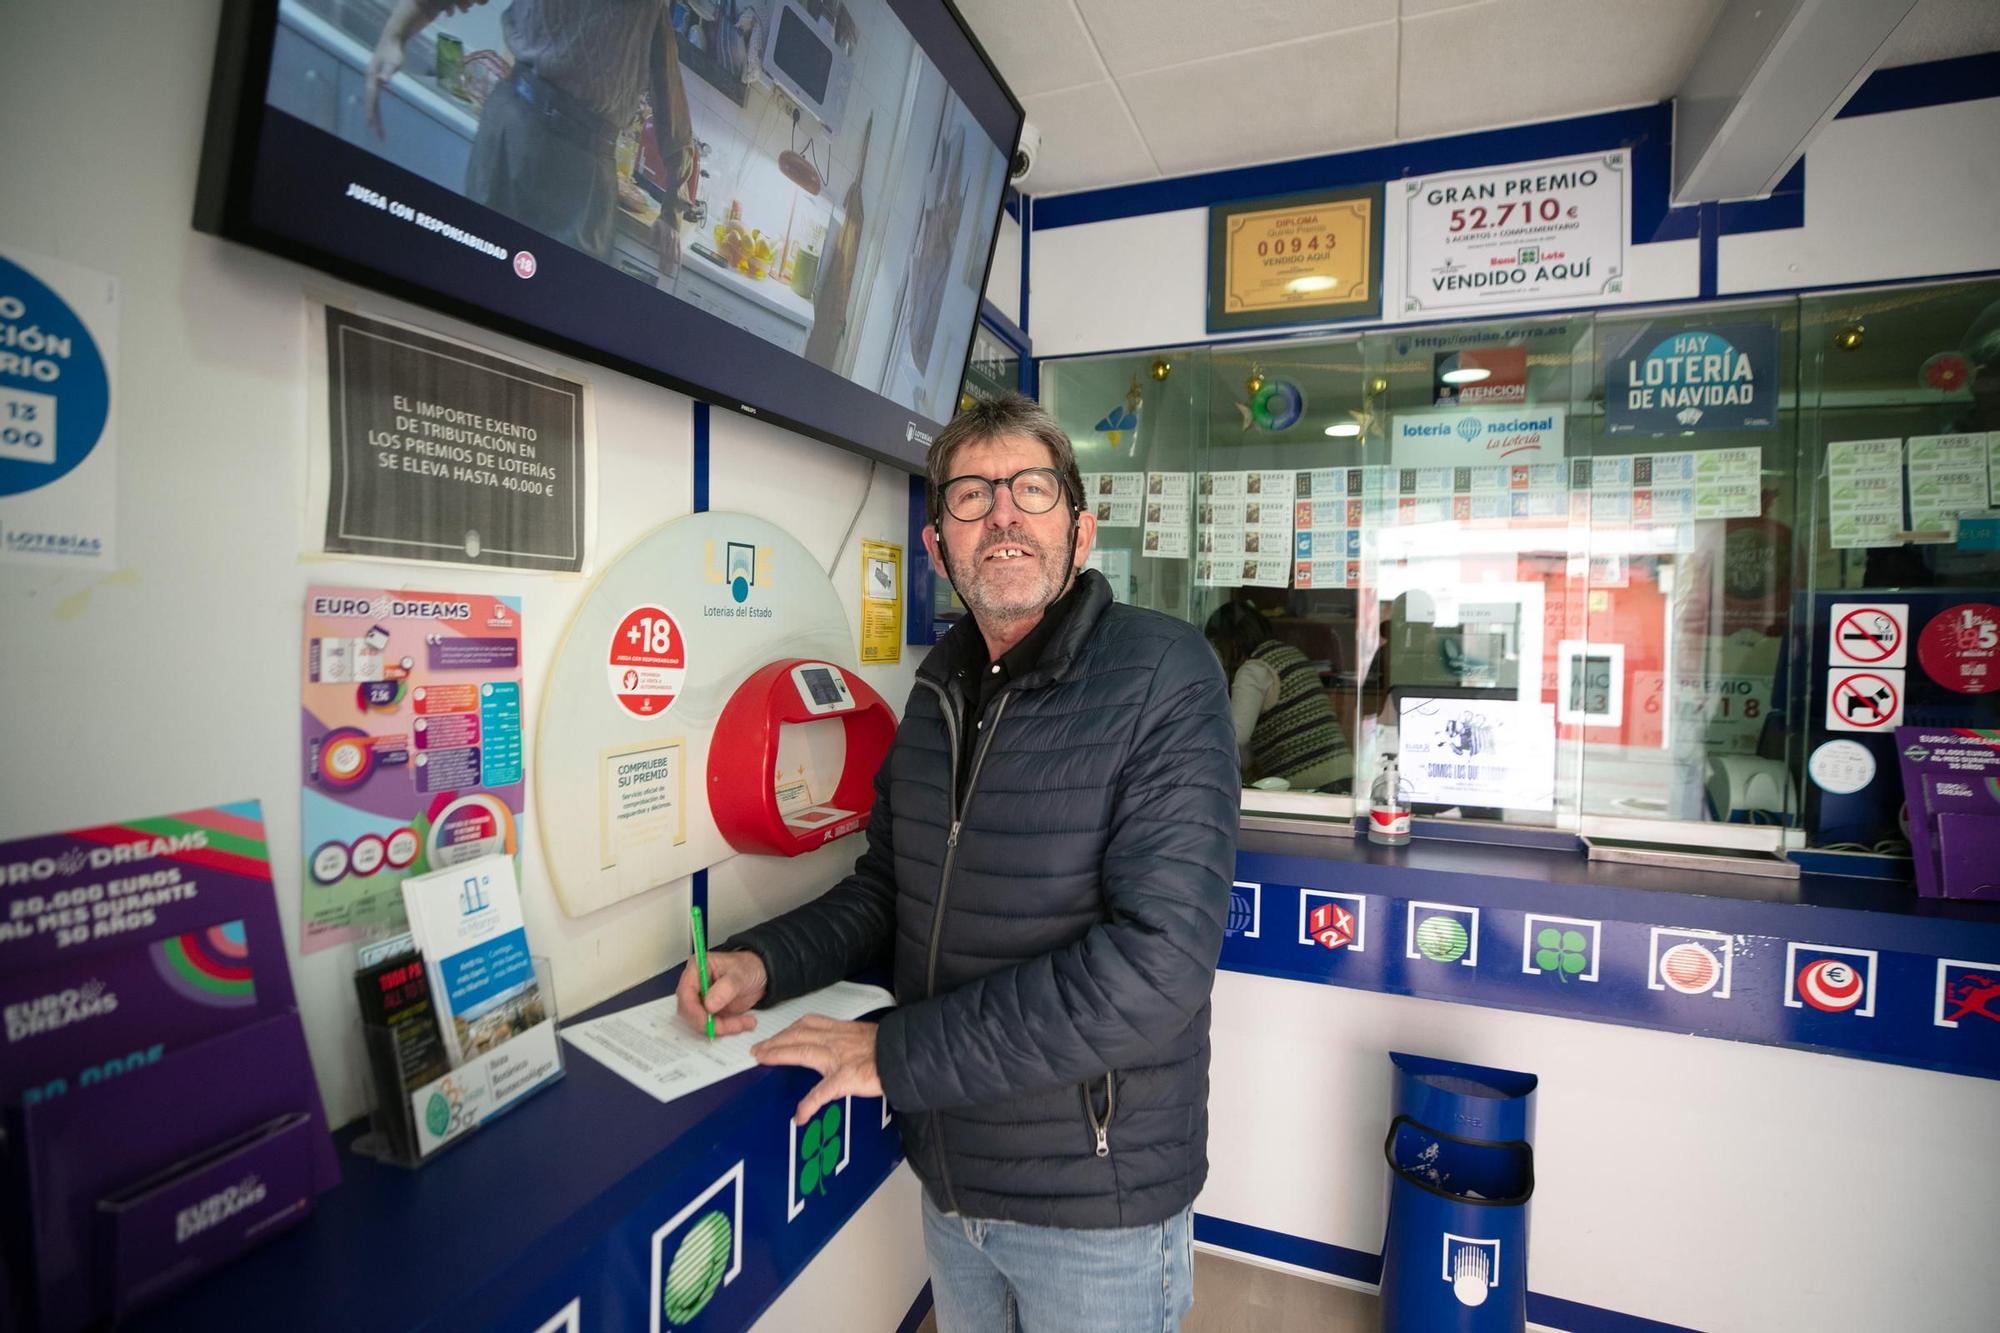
x,y
1830,979
1691,962
744,565
1966,993
1333,920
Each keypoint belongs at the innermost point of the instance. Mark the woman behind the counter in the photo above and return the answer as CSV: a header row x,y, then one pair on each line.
x,y
1285,728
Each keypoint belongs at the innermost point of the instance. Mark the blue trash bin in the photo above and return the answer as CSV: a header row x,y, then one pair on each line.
x,y
1455,1255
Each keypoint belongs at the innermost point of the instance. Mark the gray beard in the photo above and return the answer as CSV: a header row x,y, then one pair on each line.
x,y
990,611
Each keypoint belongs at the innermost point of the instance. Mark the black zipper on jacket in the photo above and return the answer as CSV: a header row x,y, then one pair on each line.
x,y
951,723
1102,1128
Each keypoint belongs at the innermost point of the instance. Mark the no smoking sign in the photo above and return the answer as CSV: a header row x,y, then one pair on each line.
x,y
1870,635
1861,700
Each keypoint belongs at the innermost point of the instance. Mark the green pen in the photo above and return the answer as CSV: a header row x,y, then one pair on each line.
x,y
701,962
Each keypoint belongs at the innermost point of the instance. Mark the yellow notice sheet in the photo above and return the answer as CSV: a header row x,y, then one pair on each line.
x,y
881,603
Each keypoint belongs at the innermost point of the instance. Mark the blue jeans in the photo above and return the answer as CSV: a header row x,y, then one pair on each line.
x,y
1004,1277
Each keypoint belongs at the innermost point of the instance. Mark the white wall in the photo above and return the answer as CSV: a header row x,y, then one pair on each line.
x,y
173,682
1897,195
1003,280
1709,1184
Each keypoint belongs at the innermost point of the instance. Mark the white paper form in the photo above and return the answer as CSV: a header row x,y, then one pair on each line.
x,y
649,1046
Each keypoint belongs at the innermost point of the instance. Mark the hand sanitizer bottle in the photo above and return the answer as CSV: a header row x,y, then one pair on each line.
x,y
1388,816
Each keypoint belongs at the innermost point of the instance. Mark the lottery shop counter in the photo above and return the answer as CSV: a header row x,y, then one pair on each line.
x,y
1828,963
589,1206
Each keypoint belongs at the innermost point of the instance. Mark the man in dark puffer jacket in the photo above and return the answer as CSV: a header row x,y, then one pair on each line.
x,y
1047,872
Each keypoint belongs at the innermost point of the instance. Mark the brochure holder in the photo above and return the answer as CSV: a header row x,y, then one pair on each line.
x,y
145,1181
447,1110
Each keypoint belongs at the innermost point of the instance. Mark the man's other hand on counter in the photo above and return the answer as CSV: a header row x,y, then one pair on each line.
x,y
842,1053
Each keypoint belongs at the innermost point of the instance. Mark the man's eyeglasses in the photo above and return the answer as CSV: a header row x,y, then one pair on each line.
x,y
1036,490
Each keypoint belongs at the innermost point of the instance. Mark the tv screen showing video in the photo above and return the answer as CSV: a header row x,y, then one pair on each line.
x,y
784,206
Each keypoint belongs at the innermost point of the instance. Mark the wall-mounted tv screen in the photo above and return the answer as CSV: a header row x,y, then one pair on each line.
x,y
786,207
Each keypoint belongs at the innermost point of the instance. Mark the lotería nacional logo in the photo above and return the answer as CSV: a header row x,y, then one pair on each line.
x,y
1246,910
1691,962
1442,933
1333,920
1830,979
1966,993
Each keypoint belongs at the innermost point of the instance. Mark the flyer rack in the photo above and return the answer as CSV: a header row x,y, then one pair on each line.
x,y
448,1109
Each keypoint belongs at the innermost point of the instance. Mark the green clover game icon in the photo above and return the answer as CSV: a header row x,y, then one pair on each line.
x,y
437,1114
819,1151
1561,952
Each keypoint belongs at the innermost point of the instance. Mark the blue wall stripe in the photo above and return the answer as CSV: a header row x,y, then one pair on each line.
x,y
918,1309
1028,224
1360,1266
996,319
699,887
1711,225
700,458
1933,83
1784,207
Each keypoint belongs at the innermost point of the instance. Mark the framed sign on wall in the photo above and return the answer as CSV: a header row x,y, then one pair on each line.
x,y
1296,259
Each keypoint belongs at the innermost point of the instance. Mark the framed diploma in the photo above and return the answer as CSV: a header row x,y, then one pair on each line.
x,y
1297,259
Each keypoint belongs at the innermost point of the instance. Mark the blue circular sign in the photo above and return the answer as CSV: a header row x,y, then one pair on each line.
x,y
54,393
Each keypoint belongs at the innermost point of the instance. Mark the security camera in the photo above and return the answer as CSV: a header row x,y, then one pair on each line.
x,y
1025,154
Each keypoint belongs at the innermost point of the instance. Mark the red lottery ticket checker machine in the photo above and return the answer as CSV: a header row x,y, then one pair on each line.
x,y
759,809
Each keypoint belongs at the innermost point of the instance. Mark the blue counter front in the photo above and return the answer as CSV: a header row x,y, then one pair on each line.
x,y
1824,963
589,1206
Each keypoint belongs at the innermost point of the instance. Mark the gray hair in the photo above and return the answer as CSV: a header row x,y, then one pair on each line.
x,y
992,419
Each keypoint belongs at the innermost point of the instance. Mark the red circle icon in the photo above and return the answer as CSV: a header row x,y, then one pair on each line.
x,y
402,848
1867,636
368,854
346,757
524,264
1960,648
647,665
1831,986
1866,701
1689,968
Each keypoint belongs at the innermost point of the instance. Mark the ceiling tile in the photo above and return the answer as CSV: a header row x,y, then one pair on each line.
x,y
1087,141
1317,96
1039,45
1942,29
1135,37
1517,60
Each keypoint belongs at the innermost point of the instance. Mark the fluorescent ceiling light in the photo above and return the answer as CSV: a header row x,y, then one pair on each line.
x,y
1344,428
1466,375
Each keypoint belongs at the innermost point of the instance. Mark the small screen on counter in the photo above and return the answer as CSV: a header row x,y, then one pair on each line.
x,y
823,686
